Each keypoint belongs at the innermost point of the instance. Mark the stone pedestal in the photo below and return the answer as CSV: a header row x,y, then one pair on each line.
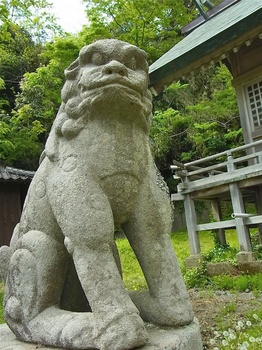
x,y
184,338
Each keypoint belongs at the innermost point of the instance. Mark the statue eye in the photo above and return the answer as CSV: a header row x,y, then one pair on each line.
x,y
98,59
131,63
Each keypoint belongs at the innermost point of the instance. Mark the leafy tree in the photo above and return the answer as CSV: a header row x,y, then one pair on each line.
x,y
216,123
18,55
24,27
31,15
30,80
192,119
38,102
207,121
151,25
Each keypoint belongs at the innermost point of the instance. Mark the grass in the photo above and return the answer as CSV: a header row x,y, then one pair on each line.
x,y
133,276
240,331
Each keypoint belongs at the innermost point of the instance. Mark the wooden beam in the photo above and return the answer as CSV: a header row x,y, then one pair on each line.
x,y
222,179
227,224
216,225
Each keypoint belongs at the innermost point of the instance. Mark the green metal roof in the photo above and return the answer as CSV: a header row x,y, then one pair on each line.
x,y
205,39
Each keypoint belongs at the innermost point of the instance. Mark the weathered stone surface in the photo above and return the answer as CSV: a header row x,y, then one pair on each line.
x,y
251,267
64,285
221,268
183,338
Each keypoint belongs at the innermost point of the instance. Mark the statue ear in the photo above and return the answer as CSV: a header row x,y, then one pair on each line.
x,y
72,71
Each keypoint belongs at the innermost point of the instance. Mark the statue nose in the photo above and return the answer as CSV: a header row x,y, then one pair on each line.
x,y
115,67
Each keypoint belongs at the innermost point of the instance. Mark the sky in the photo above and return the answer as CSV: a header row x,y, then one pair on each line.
x,y
70,14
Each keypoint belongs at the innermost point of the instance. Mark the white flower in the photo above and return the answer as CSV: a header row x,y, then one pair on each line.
x,y
225,334
216,348
232,336
252,340
248,323
224,342
255,316
238,328
242,347
212,341
246,344
240,324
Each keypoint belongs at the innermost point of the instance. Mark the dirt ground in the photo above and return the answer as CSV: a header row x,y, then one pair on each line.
x,y
216,309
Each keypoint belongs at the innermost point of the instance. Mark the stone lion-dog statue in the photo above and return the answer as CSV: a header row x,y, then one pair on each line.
x,y
64,286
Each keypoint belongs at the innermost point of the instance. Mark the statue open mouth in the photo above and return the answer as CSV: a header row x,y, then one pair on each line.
x,y
113,92
112,86
118,88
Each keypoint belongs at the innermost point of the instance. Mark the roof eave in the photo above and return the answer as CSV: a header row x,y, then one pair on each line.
x,y
182,65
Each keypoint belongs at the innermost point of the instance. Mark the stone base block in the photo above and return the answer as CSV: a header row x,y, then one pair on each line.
x,y
221,268
245,257
193,261
165,338
251,267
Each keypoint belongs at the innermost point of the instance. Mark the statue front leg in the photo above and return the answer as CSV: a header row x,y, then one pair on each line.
x,y
167,301
87,224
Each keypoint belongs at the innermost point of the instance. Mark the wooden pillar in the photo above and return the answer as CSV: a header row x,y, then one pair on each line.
x,y
239,208
217,214
258,200
191,222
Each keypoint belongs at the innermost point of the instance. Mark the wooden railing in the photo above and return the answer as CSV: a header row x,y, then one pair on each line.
x,y
198,169
226,173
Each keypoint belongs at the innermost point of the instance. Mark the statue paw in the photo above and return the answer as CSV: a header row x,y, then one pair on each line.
x,y
124,333
13,310
163,311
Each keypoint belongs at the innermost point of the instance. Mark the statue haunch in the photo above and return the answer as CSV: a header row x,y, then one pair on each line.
x,y
64,286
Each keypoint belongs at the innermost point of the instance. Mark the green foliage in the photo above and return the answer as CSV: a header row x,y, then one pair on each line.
x,y
6,146
23,27
37,104
151,25
221,253
216,125
193,118
32,15
196,278
163,125
36,107
63,49
241,334
18,54
170,126
256,243
204,119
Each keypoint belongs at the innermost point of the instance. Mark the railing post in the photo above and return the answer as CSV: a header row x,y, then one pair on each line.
x,y
217,213
259,210
238,207
194,259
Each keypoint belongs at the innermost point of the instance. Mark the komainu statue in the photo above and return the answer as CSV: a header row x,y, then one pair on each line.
x,y
64,286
